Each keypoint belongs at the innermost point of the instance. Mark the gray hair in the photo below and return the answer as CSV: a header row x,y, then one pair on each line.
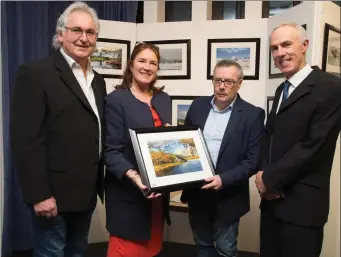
x,y
63,19
230,63
301,32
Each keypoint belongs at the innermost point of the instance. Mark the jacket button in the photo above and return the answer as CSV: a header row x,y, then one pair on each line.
x,y
97,141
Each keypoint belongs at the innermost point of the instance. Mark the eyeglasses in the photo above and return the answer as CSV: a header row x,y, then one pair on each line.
x,y
78,32
227,82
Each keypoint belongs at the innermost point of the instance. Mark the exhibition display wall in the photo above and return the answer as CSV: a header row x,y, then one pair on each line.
x,y
190,50
187,73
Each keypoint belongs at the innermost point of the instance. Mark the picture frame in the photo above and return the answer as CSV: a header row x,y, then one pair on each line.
x,y
171,158
274,72
331,50
180,106
269,102
245,51
175,61
110,57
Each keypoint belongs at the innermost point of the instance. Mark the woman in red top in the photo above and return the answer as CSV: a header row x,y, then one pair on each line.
x,y
135,223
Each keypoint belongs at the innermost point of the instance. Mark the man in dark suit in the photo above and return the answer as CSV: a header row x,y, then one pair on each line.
x,y
56,136
232,130
299,145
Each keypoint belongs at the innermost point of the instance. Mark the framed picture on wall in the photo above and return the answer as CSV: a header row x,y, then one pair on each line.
x,y
180,106
245,51
110,57
175,62
331,50
274,72
269,102
171,158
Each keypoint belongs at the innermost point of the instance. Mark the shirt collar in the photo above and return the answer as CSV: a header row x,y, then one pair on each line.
x,y
298,77
72,62
230,107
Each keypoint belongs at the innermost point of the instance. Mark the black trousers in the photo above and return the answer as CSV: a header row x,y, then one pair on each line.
x,y
281,239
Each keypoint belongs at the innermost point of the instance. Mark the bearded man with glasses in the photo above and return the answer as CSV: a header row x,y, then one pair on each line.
x,y
56,136
232,129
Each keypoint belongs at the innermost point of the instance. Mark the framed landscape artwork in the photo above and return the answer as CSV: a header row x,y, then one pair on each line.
x,y
245,51
180,106
175,62
110,57
274,72
331,50
171,158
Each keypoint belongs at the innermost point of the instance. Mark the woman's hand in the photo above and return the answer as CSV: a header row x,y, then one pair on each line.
x,y
136,178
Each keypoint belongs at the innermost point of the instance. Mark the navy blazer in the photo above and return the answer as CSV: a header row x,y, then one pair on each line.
x,y
128,211
238,158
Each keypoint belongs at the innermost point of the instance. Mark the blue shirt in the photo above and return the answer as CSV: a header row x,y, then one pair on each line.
x,y
215,127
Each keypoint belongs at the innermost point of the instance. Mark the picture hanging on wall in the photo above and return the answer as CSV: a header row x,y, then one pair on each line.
x,y
269,102
175,62
274,72
245,51
180,106
110,57
331,50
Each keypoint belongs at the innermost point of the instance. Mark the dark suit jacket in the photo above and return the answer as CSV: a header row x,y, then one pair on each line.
x,y
299,148
238,159
128,211
54,135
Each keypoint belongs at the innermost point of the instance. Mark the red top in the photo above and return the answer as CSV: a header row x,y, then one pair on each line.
x,y
156,118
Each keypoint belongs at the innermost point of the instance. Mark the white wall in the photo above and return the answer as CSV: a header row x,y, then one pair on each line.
x,y
253,10
109,30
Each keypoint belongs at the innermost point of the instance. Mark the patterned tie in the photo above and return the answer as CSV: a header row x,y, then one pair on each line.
x,y
285,91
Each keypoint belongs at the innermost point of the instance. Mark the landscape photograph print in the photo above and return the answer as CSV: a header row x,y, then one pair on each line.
x,y
174,157
175,58
182,113
244,51
107,58
110,57
239,55
171,59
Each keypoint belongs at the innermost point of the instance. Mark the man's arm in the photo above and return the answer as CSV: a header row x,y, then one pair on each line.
x,y
325,123
249,166
28,136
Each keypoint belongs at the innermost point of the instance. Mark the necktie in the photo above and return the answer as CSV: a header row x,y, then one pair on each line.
x,y
285,92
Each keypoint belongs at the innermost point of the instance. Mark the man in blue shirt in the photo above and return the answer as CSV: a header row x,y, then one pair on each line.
x,y
232,130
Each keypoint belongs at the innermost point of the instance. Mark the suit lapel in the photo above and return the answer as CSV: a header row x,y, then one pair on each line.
x,y
231,125
99,99
301,90
204,114
69,78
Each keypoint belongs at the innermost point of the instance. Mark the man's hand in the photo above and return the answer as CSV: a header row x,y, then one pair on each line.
x,y
259,183
47,208
215,183
136,178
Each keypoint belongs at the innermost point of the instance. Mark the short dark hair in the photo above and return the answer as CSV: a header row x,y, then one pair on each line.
x,y
229,63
